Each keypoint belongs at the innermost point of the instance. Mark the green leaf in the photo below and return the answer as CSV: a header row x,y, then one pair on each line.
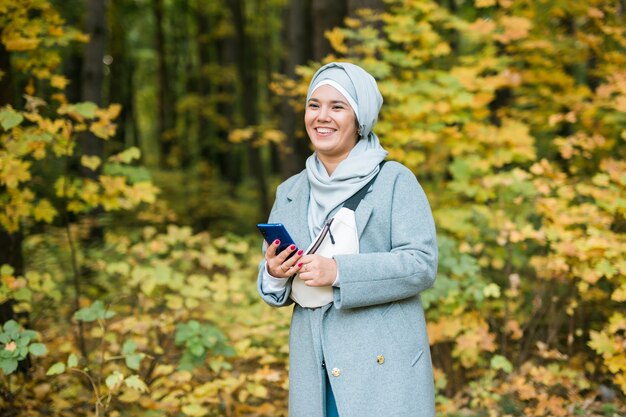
x,y
134,174
114,380
6,270
38,349
72,361
85,109
9,118
135,382
56,369
12,328
127,155
93,312
129,347
197,350
134,361
8,365
500,362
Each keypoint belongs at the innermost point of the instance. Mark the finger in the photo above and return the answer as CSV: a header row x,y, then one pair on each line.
x,y
295,259
270,252
282,256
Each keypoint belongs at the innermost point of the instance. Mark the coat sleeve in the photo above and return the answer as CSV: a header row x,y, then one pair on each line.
x,y
408,268
280,299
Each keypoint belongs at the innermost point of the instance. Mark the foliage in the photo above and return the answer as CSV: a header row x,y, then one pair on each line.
x,y
511,114
15,345
179,328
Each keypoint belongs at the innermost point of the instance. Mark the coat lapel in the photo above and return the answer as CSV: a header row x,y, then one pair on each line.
x,y
362,216
294,214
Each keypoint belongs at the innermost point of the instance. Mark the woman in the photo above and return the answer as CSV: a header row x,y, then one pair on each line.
x,y
366,352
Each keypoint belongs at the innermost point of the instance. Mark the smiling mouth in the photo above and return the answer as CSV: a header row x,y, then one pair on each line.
x,y
324,131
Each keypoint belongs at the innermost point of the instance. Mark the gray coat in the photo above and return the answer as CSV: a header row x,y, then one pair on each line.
x,y
371,341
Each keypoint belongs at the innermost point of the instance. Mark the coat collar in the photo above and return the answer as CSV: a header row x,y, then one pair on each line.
x,y
294,215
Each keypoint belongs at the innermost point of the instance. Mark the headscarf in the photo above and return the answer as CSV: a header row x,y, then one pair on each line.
x,y
362,163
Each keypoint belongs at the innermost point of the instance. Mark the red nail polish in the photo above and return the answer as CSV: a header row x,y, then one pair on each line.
x,y
300,264
292,247
277,242
300,252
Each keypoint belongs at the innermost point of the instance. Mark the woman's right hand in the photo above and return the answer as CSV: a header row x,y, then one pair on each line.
x,y
278,265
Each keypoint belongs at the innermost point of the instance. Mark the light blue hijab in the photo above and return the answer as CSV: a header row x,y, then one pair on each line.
x,y
362,163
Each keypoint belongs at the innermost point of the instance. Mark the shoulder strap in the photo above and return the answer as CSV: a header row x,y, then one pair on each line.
x,y
353,202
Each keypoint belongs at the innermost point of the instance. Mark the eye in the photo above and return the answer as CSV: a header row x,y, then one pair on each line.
x,y
338,107
313,105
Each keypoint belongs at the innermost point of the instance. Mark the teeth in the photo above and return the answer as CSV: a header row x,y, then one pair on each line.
x,y
324,131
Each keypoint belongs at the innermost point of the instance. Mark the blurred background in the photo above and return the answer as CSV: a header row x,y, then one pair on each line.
x,y
142,140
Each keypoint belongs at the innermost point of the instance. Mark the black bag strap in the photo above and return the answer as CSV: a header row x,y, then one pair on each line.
x,y
353,202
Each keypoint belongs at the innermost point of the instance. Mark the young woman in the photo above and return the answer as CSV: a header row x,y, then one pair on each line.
x,y
365,352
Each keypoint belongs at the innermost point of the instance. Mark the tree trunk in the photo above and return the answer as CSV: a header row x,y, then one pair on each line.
x,y
164,112
206,131
229,157
327,14
92,79
120,78
93,71
247,66
299,47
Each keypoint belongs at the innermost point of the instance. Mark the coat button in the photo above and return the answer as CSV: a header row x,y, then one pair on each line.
x,y
335,372
380,359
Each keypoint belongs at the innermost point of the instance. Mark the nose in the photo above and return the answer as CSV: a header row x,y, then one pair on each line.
x,y
323,114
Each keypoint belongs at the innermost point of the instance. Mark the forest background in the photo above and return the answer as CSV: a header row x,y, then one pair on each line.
x,y
141,140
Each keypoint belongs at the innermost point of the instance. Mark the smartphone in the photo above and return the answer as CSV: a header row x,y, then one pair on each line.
x,y
273,231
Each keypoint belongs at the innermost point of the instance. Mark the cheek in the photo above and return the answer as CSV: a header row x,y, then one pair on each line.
x,y
308,119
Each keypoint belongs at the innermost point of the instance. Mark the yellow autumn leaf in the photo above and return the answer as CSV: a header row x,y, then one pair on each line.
x,y
143,192
601,343
90,161
21,44
616,363
337,39
514,28
44,211
257,390
58,81
241,135
492,290
620,380
129,396
76,207
617,323
195,410
103,128
110,112
90,192
13,172
126,156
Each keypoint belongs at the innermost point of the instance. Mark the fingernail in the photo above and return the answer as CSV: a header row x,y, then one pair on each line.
x,y
277,242
300,264
292,247
300,252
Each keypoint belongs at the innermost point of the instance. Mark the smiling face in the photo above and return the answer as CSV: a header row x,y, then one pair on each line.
x,y
331,125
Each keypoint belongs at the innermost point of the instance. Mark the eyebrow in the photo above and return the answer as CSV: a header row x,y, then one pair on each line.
x,y
333,101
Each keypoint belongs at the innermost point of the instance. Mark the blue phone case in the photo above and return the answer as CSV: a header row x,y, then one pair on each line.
x,y
273,231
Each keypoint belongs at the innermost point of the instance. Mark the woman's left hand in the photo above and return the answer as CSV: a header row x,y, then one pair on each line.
x,y
317,271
